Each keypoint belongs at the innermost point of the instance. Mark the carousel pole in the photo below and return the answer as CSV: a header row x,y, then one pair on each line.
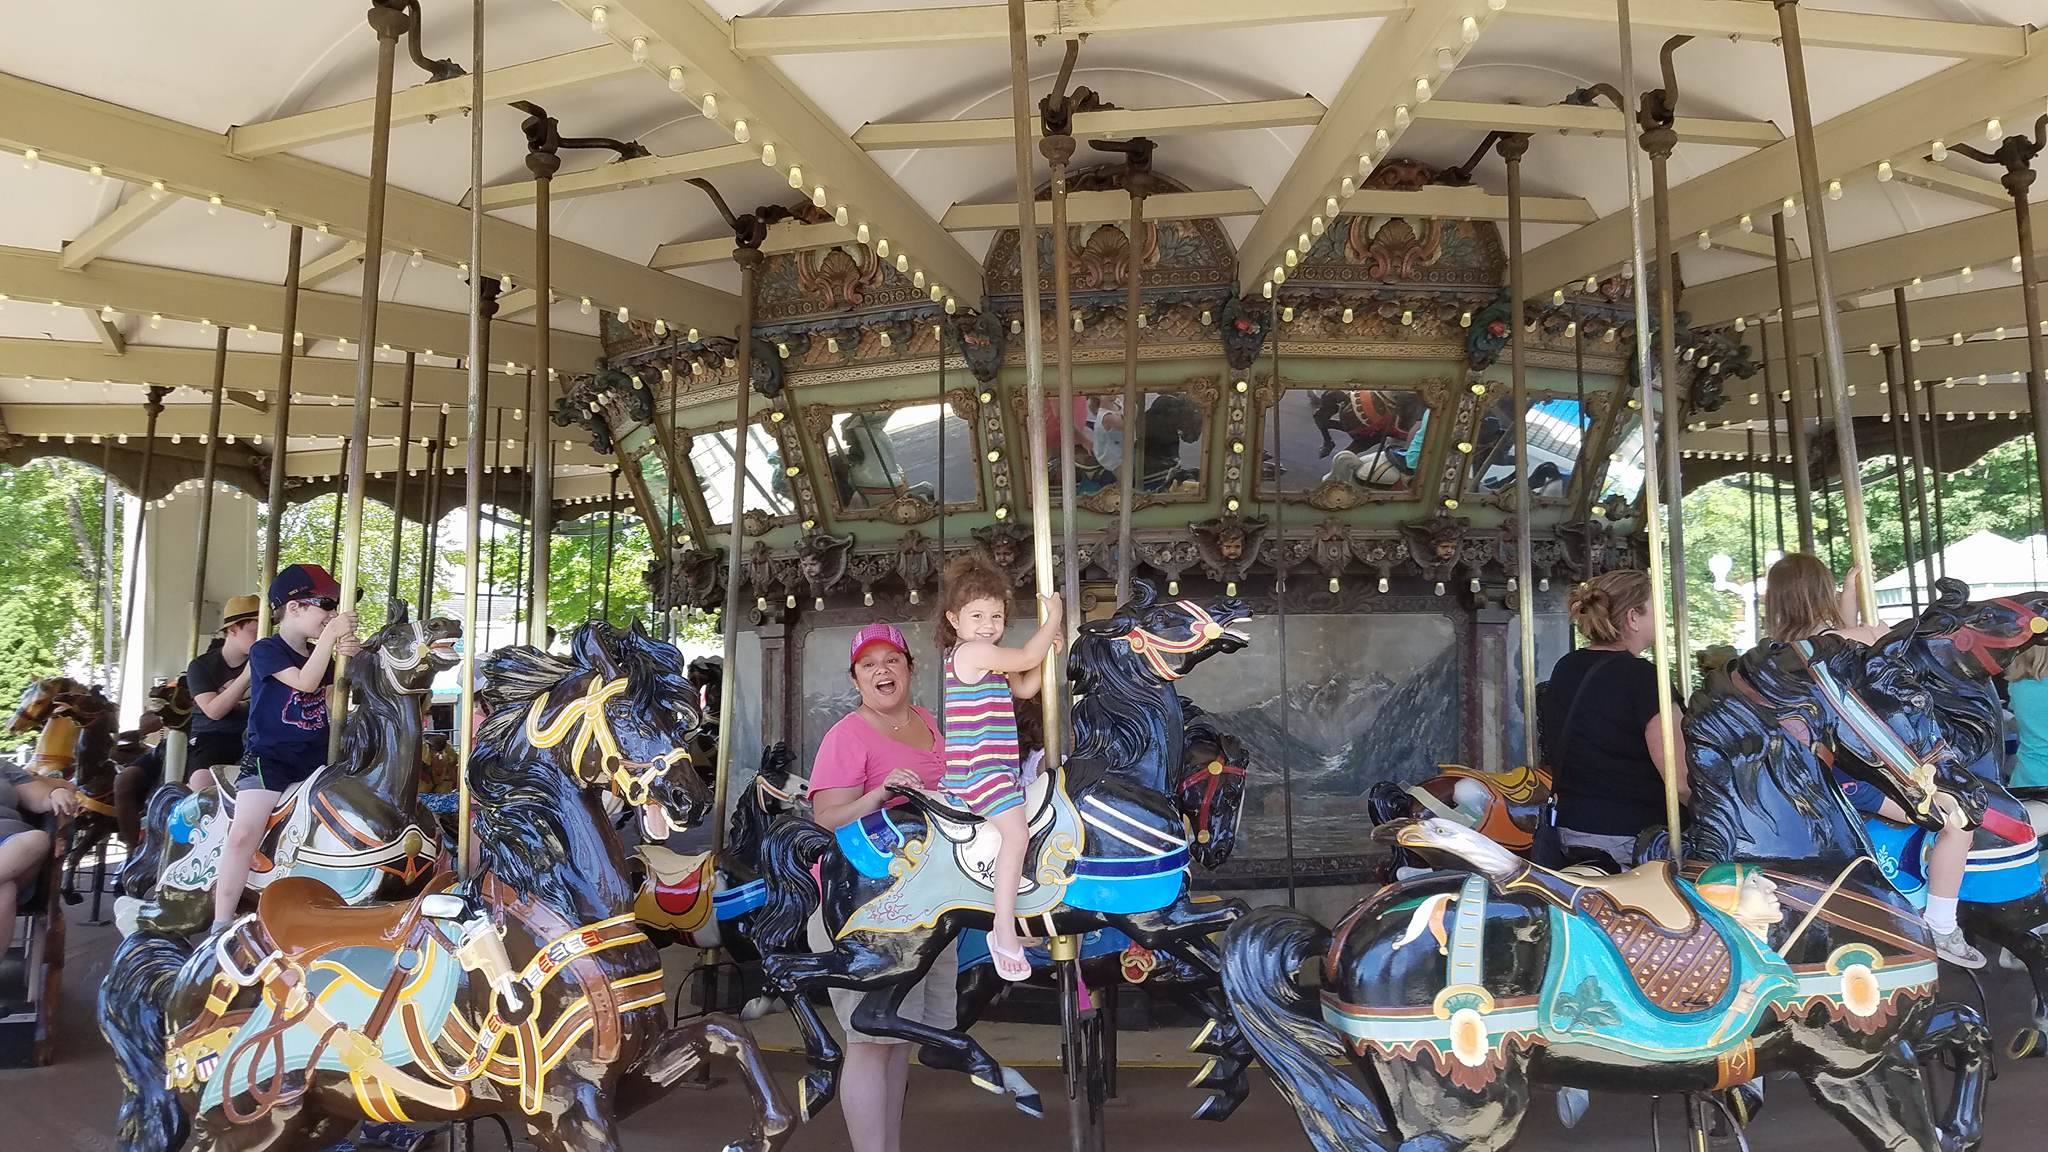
x,y
1512,146
1795,415
1820,420
1661,644
1756,542
430,539
1057,112
152,408
398,483
1908,385
109,555
1137,184
1824,295
1893,386
520,551
334,521
1656,115
543,162
280,428
208,468
2016,155
748,257
611,539
389,20
481,305
1084,1116
1582,507
1763,332
1940,537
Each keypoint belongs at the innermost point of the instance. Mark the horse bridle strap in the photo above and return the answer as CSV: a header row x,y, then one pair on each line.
x,y
1156,648
393,667
1982,645
1210,776
633,779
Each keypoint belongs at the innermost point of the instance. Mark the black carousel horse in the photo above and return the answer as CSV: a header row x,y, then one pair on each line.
x,y
357,825
699,901
1455,992
1109,849
92,773
285,1030
1211,796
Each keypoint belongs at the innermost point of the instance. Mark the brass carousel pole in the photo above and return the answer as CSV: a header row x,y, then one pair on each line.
x,y
1908,385
208,467
437,467
398,482
389,20
1138,180
334,520
1056,114
543,161
280,429
1763,335
110,554
480,308
1824,296
1512,146
152,408
1084,1127
1893,386
1795,415
1661,643
1656,115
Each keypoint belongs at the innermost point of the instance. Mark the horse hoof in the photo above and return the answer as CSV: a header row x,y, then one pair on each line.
x,y
1217,1106
1745,1101
814,1092
1571,1106
1031,1106
2026,1044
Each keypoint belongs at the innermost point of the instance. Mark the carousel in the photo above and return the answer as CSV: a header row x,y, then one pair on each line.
x,y
628,363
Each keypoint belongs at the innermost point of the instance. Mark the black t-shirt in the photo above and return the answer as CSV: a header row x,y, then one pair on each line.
x,y
211,673
1601,771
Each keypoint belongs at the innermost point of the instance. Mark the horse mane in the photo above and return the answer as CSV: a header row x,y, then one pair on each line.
x,y
1110,708
750,820
512,679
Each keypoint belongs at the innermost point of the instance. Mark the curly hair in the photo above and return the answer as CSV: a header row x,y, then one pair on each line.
x,y
1600,606
967,578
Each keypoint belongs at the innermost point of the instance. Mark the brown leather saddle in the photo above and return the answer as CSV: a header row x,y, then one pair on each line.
x,y
1676,957
305,918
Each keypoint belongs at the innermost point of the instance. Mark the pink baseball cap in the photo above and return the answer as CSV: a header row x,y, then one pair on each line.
x,y
877,633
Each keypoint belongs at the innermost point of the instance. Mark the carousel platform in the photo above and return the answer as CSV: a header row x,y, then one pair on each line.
x,y
70,1105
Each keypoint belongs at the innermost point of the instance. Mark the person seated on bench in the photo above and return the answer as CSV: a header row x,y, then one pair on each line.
x,y
2027,677
23,847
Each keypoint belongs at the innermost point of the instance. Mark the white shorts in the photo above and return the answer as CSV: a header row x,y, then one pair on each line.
x,y
934,1002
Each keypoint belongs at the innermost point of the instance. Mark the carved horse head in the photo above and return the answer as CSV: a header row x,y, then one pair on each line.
x,y
1123,669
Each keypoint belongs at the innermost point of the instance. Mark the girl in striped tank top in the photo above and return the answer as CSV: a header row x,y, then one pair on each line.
x,y
982,681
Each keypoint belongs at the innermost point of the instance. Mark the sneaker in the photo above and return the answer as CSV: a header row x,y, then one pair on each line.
x,y
1951,946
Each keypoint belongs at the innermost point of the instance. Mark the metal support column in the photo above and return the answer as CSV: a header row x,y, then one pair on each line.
x,y
1655,115
280,427
1512,146
152,408
398,483
1056,116
1893,386
208,466
1795,414
1909,384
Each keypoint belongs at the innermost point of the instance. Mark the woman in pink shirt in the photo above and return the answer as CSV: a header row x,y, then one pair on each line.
x,y
887,742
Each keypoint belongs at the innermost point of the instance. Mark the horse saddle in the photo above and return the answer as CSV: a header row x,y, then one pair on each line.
x,y
677,894
975,842
1640,965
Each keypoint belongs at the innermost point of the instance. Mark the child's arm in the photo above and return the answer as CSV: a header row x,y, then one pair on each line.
x,y
308,677
218,703
977,657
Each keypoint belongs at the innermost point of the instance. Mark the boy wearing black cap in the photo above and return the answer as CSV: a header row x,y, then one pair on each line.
x,y
286,741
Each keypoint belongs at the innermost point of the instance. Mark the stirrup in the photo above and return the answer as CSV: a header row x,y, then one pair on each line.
x,y
482,950
241,935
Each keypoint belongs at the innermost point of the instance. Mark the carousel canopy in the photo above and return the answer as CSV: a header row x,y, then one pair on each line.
x,y
159,154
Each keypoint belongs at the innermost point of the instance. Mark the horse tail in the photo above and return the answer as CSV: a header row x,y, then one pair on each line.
x,y
788,853
138,875
132,1001
1261,954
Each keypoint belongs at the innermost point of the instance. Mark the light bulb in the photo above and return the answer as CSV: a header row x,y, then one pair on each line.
x,y
741,132
675,80
1955,340
1592,283
1741,323
213,205
1402,117
1939,151
156,319
625,314
860,232
1279,275
768,154
1557,296
1345,189
882,248
1834,189
29,159
157,192
1746,224
1495,6
1468,31
902,262
106,313
1301,242
418,258
2018,264
1968,274
639,49
1348,315
1407,316
1315,226
1994,130
97,175
1704,241
818,196
796,176
839,215
1884,171
1287,314
1267,291
584,306
1790,207
661,327
598,19
1465,319
1292,258
1422,92
1381,141
710,104
692,336
1913,344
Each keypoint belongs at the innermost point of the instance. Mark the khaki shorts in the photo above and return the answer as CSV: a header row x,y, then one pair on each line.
x,y
934,1002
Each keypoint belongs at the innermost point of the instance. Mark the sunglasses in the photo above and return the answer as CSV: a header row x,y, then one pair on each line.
x,y
325,604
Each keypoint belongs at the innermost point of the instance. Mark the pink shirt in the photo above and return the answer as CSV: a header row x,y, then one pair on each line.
x,y
855,754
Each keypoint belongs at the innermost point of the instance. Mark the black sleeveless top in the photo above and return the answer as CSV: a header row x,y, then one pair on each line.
x,y
1601,771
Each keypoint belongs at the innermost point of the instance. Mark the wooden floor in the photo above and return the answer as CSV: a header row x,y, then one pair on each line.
x,y
70,1107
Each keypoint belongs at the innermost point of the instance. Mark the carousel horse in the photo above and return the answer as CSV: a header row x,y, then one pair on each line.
x,y
1211,796
1368,419
526,989
92,774
1501,806
1109,848
356,826
1455,992
707,679
699,902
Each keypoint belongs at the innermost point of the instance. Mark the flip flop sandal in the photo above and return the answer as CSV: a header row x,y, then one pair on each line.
x,y
1016,957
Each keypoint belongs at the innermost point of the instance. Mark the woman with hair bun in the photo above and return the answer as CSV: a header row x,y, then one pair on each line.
x,y
1599,722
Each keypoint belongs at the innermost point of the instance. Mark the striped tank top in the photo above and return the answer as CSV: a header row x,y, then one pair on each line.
x,y
981,740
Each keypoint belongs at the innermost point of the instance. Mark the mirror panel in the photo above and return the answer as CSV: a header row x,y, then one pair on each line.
x,y
1343,446
767,488
1558,427
884,459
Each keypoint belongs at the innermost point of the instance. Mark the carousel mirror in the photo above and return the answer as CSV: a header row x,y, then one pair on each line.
x,y
884,459
767,488
1348,445
1557,426
1625,464
1173,434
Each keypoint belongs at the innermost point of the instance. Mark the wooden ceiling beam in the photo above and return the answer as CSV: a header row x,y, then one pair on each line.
x,y
142,206
1050,20
1818,27
619,174
1592,120
322,377
319,268
79,132
1118,123
1107,207
427,101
